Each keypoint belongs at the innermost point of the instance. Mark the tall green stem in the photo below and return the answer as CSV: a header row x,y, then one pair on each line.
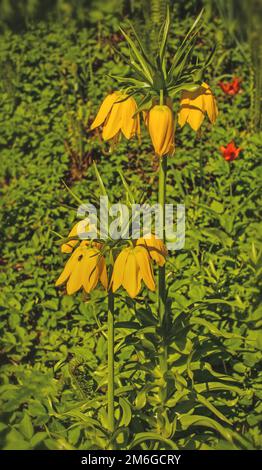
x,y
201,170
201,166
110,358
161,97
230,183
161,273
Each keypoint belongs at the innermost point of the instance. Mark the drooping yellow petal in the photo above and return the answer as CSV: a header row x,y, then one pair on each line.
x,y
143,260
157,256
91,272
104,110
129,123
156,248
103,273
131,279
183,114
211,106
68,247
74,282
113,123
93,278
69,267
119,268
195,118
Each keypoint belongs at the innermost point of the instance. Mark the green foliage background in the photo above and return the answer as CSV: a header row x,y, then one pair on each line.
x,y
54,66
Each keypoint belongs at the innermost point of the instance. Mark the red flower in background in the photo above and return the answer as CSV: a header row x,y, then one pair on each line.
x,y
230,152
231,88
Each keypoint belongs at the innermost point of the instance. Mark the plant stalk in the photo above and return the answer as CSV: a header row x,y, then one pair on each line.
x,y
161,272
201,170
230,184
110,358
161,97
201,165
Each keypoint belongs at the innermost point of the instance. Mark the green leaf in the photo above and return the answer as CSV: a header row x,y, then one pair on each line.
x,y
15,441
212,328
164,32
151,436
193,27
100,181
138,56
209,386
204,401
140,401
217,235
38,438
145,104
130,81
187,421
142,48
26,427
210,57
72,194
126,412
127,188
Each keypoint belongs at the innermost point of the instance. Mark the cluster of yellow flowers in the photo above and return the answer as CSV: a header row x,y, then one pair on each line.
x,y
119,114
87,264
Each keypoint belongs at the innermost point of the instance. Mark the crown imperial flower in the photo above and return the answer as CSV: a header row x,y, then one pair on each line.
x,y
131,267
160,122
117,115
85,268
155,246
194,105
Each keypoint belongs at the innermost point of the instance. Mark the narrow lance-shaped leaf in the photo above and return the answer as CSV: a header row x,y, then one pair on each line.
x,y
151,436
195,420
213,329
187,41
182,56
72,194
130,195
138,70
204,401
211,56
173,91
193,26
164,32
129,80
100,181
138,55
143,51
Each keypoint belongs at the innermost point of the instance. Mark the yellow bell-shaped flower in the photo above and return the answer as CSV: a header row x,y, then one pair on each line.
x,y
85,268
194,105
160,122
116,115
80,228
131,267
155,246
